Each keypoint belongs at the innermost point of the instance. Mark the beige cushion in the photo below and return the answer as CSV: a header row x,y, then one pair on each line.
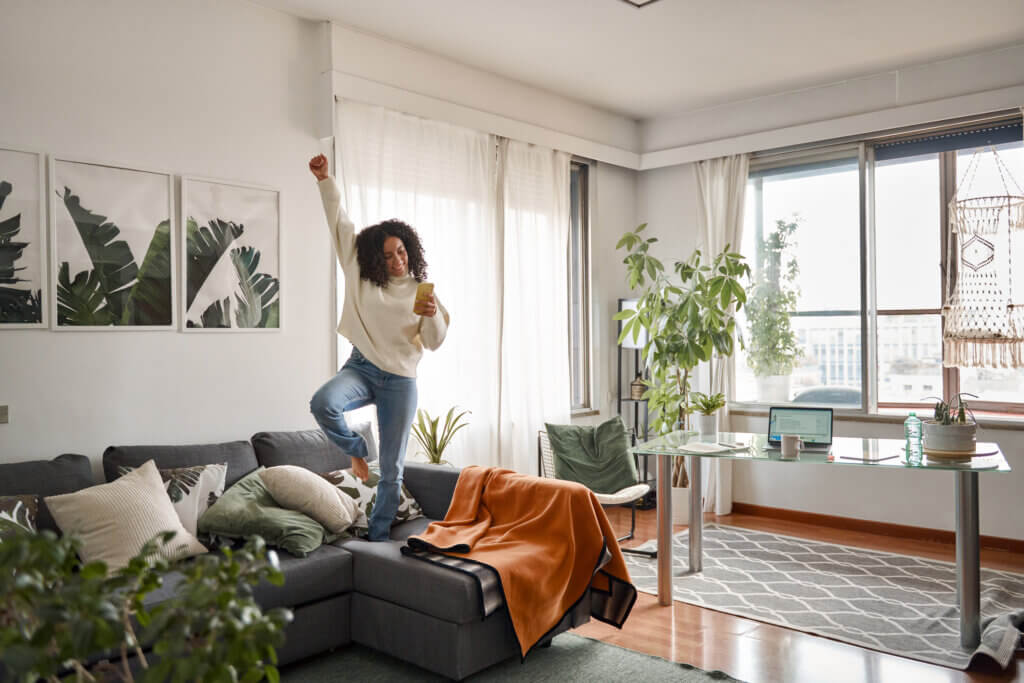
x,y
115,520
296,488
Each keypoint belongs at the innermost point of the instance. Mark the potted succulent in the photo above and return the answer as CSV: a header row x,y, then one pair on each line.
x,y
773,352
707,407
433,441
689,318
953,428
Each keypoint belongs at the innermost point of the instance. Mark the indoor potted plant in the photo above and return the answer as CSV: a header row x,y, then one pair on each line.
x,y
57,614
773,352
688,318
432,441
707,406
952,429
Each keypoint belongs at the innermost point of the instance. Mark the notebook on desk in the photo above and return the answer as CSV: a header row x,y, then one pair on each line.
x,y
813,425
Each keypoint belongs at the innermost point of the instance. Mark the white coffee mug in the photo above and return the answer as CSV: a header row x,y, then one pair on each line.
x,y
791,445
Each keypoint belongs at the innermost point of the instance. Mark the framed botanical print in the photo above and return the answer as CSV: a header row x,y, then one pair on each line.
x,y
231,246
112,262
22,239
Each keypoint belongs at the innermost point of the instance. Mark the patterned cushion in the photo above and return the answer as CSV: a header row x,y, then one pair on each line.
x,y
192,490
365,495
18,513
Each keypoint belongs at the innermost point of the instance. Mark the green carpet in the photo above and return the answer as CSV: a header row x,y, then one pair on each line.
x,y
570,658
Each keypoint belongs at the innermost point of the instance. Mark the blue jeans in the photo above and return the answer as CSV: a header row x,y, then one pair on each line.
x,y
360,383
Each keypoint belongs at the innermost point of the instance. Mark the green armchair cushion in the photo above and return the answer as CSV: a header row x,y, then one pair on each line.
x,y
596,456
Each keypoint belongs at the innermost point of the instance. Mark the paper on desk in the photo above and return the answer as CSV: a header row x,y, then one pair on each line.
x,y
698,447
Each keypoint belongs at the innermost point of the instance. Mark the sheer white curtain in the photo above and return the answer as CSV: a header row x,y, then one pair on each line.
x,y
440,179
535,384
493,216
722,184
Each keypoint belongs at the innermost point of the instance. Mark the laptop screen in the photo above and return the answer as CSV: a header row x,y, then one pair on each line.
x,y
814,425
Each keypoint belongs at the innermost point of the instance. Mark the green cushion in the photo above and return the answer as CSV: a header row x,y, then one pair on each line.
x,y
597,457
247,509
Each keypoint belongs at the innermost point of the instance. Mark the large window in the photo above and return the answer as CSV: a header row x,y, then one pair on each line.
x,y
847,244
579,290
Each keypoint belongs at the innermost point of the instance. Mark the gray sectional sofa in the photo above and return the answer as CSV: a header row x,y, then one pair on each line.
x,y
348,591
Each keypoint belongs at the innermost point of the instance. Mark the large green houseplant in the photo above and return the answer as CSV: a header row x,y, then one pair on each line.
x,y
772,350
688,318
57,614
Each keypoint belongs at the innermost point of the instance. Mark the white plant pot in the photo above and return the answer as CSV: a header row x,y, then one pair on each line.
x,y
954,437
680,506
773,388
707,425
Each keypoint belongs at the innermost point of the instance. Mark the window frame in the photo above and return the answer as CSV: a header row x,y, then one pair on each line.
x,y
581,365
871,407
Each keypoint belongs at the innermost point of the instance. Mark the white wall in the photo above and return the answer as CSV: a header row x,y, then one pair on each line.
x,y
224,89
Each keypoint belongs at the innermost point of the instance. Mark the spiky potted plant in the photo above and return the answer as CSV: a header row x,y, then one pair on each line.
x,y
433,440
952,429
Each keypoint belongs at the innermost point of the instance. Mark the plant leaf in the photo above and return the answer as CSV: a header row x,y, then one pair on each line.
x,y
204,247
150,300
111,258
257,291
81,301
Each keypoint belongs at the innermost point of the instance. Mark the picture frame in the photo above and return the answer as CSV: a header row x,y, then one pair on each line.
x,y
24,290
231,256
112,247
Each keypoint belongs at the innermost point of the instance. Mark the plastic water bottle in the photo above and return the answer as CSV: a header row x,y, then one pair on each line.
x,y
912,433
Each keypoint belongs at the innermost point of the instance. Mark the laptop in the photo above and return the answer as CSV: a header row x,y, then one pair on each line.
x,y
814,425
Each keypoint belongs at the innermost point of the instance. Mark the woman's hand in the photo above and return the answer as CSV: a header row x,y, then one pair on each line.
x,y
318,166
427,307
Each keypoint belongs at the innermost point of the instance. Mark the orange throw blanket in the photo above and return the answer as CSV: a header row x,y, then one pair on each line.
x,y
548,540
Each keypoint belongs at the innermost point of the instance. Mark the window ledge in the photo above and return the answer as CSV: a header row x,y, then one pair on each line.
x,y
584,412
757,410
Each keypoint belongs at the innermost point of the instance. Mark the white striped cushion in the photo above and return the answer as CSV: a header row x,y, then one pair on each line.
x,y
115,520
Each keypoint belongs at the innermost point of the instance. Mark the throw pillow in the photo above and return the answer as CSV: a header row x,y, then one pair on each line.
x,y
115,520
18,514
297,488
365,495
247,509
192,490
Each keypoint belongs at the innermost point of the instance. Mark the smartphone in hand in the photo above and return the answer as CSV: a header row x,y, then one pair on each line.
x,y
423,292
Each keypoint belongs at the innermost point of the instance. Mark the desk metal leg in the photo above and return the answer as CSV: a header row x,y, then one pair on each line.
x,y
968,559
696,516
664,530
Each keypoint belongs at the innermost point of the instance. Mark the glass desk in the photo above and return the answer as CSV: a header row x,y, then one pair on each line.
x,y
845,452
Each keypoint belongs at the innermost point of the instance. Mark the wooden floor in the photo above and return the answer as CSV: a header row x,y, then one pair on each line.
x,y
754,651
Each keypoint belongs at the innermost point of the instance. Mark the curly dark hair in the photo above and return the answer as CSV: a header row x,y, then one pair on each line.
x,y
370,251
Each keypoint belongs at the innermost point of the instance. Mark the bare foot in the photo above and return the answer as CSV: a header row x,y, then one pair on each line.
x,y
360,468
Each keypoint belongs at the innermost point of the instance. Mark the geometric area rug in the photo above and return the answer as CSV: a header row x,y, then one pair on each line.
x,y
883,601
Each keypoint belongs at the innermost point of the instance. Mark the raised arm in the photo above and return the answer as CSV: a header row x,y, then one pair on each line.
x,y
343,231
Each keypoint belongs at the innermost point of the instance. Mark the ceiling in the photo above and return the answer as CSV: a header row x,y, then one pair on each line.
x,y
674,56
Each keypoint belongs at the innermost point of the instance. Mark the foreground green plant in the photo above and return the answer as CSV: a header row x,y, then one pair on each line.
x,y
57,615
432,441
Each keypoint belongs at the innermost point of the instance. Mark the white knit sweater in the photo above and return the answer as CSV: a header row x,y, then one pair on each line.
x,y
379,320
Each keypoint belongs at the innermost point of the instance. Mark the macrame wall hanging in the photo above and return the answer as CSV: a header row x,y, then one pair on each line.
x,y
983,317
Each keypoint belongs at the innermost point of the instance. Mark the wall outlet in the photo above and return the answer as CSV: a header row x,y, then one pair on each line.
x,y
3,415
